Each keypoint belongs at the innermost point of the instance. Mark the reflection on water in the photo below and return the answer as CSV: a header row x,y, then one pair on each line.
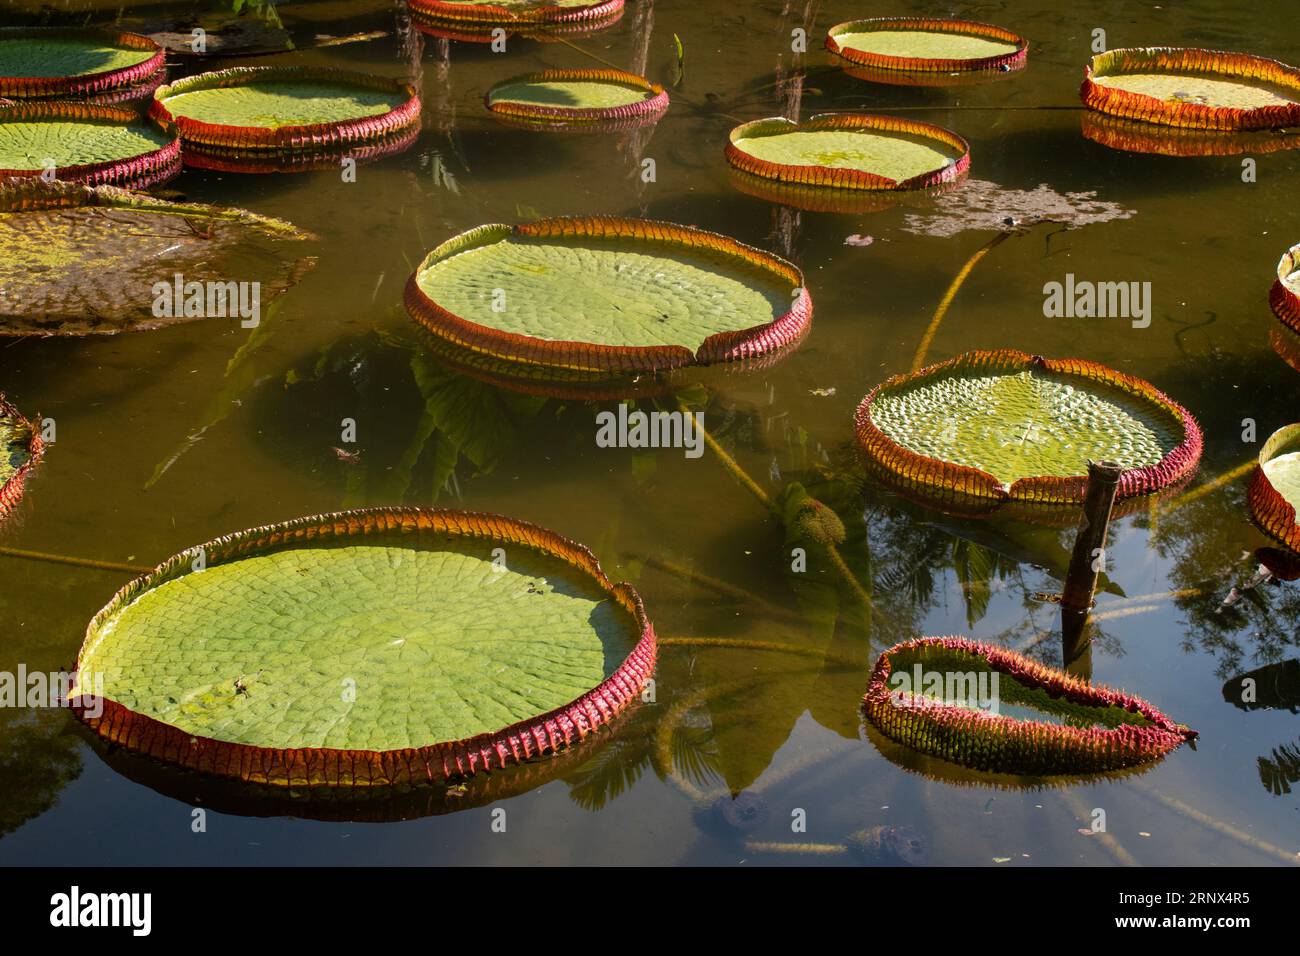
x,y
172,437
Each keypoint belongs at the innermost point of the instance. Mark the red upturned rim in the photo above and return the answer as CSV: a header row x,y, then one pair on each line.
x,y
1149,109
436,762
491,13
309,136
846,178
1285,303
1125,746
106,81
1134,136
1273,513
1013,60
948,480
300,161
134,172
12,489
656,100
743,345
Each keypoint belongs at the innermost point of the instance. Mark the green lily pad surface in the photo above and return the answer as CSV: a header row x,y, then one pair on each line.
x,y
605,292
570,94
361,646
898,156
924,44
1024,424
1283,473
273,103
1202,90
64,56
89,260
33,144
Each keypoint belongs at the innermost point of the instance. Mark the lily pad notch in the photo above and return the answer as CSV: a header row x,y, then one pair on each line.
x,y
608,295
1101,730
263,109
21,449
91,144
1274,495
843,151
1284,297
1194,88
201,671
910,46
57,62
599,99
943,431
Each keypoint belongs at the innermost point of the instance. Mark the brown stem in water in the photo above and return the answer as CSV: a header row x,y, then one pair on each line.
x,y
70,560
922,350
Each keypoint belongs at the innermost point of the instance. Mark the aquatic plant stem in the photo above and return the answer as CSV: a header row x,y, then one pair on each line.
x,y
1210,823
72,561
1108,840
808,849
922,350
1214,485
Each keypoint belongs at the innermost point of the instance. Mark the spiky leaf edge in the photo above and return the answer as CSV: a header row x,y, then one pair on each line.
x,y
324,766
12,489
1273,513
744,345
1149,109
620,116
1013,60
489,13
1285,303
948,481
1012,746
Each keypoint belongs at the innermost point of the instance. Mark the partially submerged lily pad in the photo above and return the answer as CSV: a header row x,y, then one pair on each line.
x,y
61,62
1006,426
608,295
266,108
20,449
82,259
96,145
921,45
1201,89
583,99
1275,486
1285,294
1091,729
366,648
849,151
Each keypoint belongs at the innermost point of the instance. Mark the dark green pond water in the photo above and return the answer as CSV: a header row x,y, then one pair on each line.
x,y
169,438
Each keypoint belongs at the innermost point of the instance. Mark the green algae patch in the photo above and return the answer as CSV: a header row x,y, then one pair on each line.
x,y
383,646
608,294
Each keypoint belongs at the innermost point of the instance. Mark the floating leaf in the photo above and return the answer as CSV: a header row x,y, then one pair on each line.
x,y
59,62
1101,730
517,11
582,99
96,145
86,260
849,151
303,109
20,449
1006,426
1285,294
1201,89
608,295
920,50
366,648
1275,486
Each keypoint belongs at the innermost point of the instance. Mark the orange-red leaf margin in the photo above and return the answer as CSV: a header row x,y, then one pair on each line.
x,y
12,489
86,84
1271,511
1003,61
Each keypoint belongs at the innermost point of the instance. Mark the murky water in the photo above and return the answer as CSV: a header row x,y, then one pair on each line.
x,y
170,438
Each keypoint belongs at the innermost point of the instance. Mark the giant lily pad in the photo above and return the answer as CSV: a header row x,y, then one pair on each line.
x,y
285,108
1285,295
1202,89
514,12
1091,729
82,259
1275,486
849,151
58,62
1005,426
96,145
366,648
20,450
581,99
608,295
907,49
